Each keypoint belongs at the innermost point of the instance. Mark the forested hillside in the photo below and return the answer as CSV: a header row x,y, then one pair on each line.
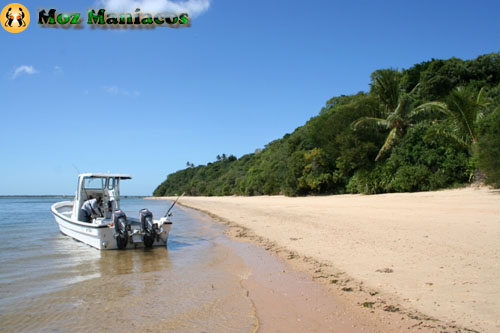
x,y
434,125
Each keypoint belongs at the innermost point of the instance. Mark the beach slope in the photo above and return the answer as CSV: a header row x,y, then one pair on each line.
x,y
434,252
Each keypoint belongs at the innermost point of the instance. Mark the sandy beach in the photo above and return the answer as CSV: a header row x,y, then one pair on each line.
x,y
430,257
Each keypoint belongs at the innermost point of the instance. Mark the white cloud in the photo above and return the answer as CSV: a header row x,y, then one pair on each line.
x,y
58,70
112,90
24,69
192,7
115,91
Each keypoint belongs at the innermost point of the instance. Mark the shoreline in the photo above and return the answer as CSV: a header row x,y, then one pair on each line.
x,y
346,304
401,281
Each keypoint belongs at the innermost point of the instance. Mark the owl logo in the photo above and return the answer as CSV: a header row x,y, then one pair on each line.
x,y
15,17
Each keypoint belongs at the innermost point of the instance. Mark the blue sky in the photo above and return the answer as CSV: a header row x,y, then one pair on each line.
x,y
145,102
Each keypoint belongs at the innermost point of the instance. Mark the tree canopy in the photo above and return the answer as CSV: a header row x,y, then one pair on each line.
x,y
427,127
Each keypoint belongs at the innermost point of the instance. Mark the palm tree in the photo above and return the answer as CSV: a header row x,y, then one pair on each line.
x,y
462,110
397,107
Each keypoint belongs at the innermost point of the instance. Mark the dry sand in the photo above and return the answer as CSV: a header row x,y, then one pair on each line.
x,y
430,256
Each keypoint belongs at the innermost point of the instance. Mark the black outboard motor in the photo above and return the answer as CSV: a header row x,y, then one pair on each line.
x,y
148,227
121,228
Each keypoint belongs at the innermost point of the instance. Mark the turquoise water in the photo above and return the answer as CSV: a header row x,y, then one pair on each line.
x,y
50,282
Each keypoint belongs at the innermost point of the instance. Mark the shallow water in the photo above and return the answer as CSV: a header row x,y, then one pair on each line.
x,y
50,282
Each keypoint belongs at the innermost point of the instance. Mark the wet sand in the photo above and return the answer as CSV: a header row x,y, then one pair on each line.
x,y
415,260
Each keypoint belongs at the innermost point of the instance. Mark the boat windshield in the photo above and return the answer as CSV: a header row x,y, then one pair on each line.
x,y
94,183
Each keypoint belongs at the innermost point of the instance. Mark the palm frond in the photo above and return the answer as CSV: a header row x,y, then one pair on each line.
x,y
442,132
404,105
414,89
430,107
366,120
388,143
481,96
387,88
464,108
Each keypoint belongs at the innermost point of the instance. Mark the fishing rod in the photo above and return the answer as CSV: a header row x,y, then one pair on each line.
x,y
83,185
180,196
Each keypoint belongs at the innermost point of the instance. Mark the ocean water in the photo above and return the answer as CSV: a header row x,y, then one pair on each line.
x,y
52,283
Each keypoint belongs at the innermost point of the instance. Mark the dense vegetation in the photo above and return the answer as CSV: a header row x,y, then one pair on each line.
x,y
434,125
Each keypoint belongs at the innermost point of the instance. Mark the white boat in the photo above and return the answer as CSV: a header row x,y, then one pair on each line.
x,y
109,228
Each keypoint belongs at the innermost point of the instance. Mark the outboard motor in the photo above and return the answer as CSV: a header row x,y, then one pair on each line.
x,y
148,227
121,228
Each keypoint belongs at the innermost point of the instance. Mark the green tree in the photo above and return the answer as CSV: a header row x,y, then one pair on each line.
x,y
458,117
316,173
396,104
328,154
489,147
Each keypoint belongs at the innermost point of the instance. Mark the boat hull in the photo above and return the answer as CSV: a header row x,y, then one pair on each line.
x,y
102,235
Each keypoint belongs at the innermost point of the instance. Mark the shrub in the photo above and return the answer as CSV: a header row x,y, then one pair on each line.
x,y
489,147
